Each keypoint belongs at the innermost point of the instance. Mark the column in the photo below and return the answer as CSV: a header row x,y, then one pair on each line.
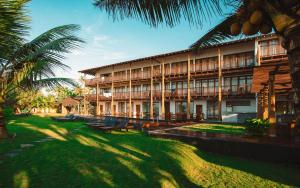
x,y
151,94
163,111
112,94
130,106
220,85
97,99
265,104
188,89
272,107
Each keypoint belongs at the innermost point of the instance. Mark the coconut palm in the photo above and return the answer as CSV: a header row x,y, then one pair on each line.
x,y
26,65
250,16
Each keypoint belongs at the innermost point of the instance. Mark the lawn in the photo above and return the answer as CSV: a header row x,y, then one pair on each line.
x,y
218,128
80,157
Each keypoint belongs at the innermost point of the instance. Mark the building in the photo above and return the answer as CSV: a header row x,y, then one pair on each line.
x,y
186,84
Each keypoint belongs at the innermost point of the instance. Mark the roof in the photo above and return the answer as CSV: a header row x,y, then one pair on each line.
x,y
92,71
69,102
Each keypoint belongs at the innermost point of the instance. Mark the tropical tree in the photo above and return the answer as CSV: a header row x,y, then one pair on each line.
x,y
250,16
31,64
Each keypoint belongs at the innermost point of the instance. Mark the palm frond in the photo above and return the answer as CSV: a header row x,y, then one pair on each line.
x,y
13,25
49,83
216,35
170,12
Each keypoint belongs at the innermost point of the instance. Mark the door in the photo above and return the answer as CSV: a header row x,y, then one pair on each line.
x,y
167,111
101,109
114,109
138,110
199,112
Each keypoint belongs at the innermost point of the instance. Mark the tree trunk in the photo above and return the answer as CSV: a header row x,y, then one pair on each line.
x,y
292,44
3,130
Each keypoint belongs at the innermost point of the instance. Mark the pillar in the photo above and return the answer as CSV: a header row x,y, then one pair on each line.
x,y
188,89
97,99
220,85
272,107
130,106
163,111
112,94
151,94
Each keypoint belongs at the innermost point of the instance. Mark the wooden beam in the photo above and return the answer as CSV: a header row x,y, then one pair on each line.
x,y
272,107
189,89
97,98
130,94
151,94
163,111
220,84
112,94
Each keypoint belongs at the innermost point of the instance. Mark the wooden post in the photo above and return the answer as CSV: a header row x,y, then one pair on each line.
x,y
163,115
220,85
188,88
265,104
130,110
151,94
97,98
112,94
258,55
272,107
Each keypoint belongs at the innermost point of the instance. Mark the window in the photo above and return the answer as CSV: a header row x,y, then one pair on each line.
x,y
181,107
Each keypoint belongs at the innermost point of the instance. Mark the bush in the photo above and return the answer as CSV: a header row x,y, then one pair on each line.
x,y
257,126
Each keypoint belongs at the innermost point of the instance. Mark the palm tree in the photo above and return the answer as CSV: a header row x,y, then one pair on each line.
x,y
283,16
31,64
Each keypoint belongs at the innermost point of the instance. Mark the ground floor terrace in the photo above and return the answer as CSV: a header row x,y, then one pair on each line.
x,y
46,153
234,110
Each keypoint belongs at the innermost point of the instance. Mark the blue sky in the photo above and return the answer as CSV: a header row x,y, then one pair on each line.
x,y
108,42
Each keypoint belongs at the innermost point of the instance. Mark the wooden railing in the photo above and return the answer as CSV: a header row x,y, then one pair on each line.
x,y
271,50
94,81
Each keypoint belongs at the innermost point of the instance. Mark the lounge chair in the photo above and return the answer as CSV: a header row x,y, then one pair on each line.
x,y
108,121
120,124
69,117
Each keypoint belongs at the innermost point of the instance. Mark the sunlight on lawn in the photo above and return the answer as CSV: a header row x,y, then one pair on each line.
x,y
131,167
48,132
21,180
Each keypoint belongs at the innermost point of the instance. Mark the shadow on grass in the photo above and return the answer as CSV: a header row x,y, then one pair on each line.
x,y
89,158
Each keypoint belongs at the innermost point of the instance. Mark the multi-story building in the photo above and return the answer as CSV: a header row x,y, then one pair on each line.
x,y
185,84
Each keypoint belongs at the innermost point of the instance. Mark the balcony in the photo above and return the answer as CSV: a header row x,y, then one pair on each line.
x,y
94,81
271,53
121,95
93,97
140,95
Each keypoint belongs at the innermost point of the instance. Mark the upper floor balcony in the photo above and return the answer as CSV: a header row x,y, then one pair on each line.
x,y
271,52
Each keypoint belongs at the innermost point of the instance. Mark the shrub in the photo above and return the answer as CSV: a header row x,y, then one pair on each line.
x,y
257,126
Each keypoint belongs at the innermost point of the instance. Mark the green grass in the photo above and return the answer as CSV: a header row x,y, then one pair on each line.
x,y
218,128
93,159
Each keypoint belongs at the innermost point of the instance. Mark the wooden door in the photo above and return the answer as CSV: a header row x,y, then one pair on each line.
x,y
167,111
101,109
114,110
138,110
199,112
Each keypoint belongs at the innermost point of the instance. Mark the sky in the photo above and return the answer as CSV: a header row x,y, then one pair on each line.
x,y
107,41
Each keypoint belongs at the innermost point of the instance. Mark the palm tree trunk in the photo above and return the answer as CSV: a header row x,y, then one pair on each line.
x,y
3,130
292,45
